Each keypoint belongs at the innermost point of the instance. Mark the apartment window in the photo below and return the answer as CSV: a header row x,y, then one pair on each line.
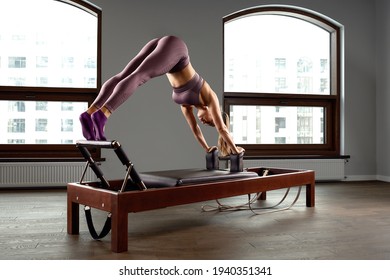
x,y
17,125
279,123
42,81
41,125
90,62
280,84
280,140
41,106
324,84
16,106
67,106
42,61
68,62
282,70
16,141
67,125
324,65
49,74
16,62
280,64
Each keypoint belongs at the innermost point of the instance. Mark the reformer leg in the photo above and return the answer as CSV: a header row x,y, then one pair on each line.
x,y
119,230
310,194
263,196
73,217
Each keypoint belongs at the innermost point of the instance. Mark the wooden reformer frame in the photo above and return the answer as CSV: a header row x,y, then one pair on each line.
x,y
119,203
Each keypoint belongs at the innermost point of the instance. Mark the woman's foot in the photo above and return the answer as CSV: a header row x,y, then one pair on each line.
x,y
87,126
99,120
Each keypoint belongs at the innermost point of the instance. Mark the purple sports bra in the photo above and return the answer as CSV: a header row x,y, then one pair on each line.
x,y
188,94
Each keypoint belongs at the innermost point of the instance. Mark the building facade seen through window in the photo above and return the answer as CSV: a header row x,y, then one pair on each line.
x,y
277,81
30,122
49,70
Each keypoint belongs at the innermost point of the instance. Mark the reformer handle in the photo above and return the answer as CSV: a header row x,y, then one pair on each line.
x,y
236,162
212,160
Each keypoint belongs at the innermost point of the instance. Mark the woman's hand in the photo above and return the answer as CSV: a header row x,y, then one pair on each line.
x,y
213,148
239,150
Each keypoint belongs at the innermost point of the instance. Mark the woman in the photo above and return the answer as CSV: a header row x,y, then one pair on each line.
x,y
167,55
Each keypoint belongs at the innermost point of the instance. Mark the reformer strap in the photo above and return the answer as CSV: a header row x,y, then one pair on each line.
x,y
248,206
106,228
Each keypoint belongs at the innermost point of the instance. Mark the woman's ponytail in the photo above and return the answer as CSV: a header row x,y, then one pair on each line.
x,y
222,146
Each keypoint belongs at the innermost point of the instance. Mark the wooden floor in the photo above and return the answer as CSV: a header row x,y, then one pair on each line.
x,y
351,220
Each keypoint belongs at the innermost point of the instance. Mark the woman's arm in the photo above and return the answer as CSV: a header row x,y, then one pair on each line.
x,y
210,98
189,116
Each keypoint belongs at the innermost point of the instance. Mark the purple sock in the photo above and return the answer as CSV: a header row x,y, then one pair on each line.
x,y
99,121
87,126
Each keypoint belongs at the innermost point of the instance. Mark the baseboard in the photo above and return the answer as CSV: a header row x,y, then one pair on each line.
x,y
352,178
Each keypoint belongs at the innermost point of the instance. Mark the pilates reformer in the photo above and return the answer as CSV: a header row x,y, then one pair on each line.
x,y
154,190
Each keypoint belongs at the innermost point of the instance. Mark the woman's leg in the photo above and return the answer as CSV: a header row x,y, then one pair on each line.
x,y
109,85
167,53
87,123
157,58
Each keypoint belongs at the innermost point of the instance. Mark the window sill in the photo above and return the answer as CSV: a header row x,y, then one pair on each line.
x,y
47,159
346,157
299,157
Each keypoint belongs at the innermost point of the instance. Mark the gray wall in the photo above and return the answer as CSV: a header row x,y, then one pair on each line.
x,y
383,88
150,126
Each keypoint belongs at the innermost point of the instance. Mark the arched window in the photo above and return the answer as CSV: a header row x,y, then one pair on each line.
x,y
49,74
282,81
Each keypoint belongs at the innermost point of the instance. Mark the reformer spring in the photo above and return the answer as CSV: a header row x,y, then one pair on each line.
x,y
248,206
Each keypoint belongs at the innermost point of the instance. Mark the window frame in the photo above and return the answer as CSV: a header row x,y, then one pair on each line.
x,y
330,103
16,93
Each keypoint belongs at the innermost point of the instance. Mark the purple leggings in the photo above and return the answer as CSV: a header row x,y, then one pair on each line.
x,y
158,57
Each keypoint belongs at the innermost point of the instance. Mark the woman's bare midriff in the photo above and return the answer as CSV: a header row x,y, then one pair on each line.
x,y
180,78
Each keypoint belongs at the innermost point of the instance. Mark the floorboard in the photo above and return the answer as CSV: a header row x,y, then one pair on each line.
x,y
350,221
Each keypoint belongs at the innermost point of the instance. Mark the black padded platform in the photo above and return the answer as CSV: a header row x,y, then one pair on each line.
x,y
170,178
